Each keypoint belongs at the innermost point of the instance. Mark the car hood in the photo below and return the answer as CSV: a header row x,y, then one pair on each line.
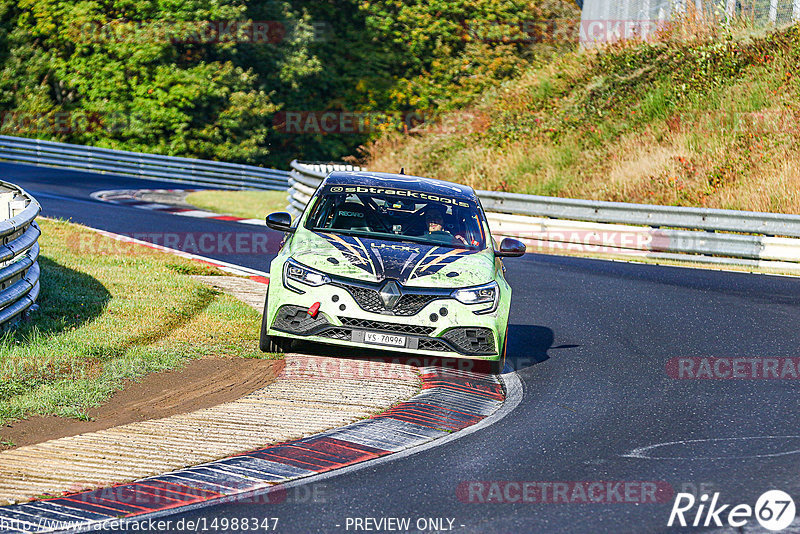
x,y
375,260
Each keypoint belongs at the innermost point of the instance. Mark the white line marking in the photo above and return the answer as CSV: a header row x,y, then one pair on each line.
x,y
643,452
197,213
154,206
119,196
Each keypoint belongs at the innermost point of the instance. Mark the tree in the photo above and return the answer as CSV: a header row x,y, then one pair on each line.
x,y
147,75
207,79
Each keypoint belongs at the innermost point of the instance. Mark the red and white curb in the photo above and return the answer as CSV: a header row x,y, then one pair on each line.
x,y
131,198
451,400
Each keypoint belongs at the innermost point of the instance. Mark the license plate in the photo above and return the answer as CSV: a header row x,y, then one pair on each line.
x,y
384,339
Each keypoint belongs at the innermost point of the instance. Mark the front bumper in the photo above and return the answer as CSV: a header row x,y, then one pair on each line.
x,y
470,342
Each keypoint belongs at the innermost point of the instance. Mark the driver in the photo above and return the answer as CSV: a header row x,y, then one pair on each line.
x,y
434,223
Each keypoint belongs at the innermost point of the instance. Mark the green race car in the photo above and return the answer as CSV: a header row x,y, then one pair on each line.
x,y
394,262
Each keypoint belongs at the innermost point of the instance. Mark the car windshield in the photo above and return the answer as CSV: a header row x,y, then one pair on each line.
x,y
399,215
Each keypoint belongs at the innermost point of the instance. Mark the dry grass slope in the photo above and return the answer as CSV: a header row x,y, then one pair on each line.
x,y
702,116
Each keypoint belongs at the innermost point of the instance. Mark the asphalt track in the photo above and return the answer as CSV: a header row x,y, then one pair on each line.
x,y
590,341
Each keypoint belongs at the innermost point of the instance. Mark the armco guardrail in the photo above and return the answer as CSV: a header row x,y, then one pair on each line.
x,y
185,170
642,214
19,270
553,224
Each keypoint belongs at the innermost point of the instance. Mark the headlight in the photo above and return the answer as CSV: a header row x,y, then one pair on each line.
x,y
297,272
485,294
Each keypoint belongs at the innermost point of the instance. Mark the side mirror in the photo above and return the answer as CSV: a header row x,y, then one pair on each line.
x,y
510,248
280,221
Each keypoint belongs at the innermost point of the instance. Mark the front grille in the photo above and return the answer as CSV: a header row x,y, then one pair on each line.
x,y
369,299
337,333
433,344
388,327
412,304
471,340
296,320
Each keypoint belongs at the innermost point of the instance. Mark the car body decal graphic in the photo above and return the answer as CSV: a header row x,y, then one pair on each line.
x,y
352,249
437,258
400,261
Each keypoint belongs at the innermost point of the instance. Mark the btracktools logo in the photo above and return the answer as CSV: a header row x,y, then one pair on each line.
x,y
405,193
774,510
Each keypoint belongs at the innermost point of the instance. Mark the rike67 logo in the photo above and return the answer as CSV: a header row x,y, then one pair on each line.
x,y
774,510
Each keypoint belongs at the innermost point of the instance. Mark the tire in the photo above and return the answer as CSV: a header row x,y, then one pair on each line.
x,y
271,344
498,365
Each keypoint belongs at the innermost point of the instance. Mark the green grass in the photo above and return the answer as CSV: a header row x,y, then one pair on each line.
x,y
656,104
247,204
111,311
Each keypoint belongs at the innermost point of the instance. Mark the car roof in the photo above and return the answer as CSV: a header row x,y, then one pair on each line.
x,y
401,181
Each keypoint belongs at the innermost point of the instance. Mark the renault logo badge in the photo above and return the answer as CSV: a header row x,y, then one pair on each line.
x,y
390,294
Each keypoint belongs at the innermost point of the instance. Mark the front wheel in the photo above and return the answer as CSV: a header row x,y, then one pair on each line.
x,y
498,365
272,344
